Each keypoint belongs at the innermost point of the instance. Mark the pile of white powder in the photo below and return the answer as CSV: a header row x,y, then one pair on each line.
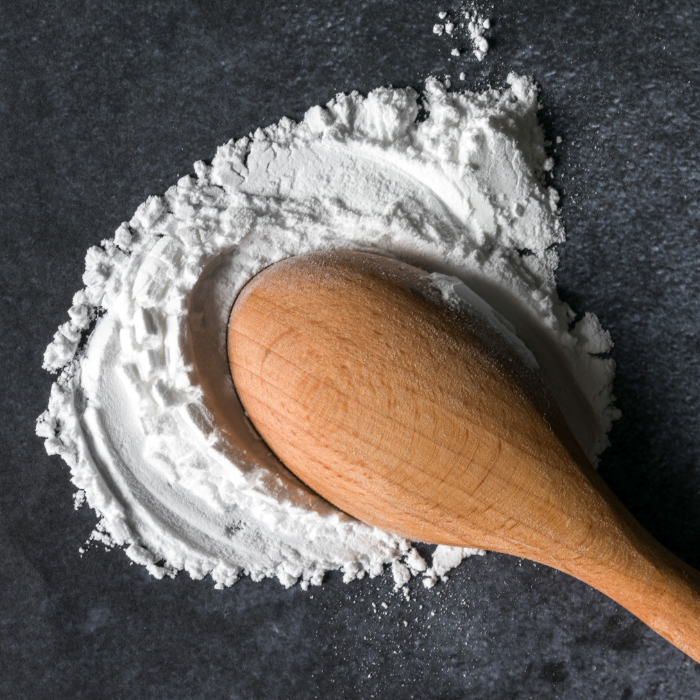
x,y
145,413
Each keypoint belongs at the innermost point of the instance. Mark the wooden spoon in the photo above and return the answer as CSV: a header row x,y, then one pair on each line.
x,y
420,420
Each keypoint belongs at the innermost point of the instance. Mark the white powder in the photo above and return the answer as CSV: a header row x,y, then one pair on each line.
x,y
145,412
474,25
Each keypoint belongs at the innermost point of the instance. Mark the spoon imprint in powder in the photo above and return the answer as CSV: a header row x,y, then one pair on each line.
x,y
421,420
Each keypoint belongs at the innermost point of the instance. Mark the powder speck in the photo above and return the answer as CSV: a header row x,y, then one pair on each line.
x,y
415,561
401,573
78,499
476,25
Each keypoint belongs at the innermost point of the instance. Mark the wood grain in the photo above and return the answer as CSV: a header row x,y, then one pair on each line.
x,y
421,421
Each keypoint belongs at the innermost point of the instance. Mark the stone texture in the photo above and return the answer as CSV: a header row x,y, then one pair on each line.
x,y
103,103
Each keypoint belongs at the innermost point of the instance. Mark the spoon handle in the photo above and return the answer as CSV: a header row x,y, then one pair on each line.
x,y
637,572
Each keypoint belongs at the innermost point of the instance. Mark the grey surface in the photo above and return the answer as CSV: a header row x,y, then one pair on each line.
x,y
104,103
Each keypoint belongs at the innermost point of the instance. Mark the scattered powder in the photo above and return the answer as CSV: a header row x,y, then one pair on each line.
x,y
144,410
474,26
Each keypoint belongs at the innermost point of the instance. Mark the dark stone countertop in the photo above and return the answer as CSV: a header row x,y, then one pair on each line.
x,y
104,103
